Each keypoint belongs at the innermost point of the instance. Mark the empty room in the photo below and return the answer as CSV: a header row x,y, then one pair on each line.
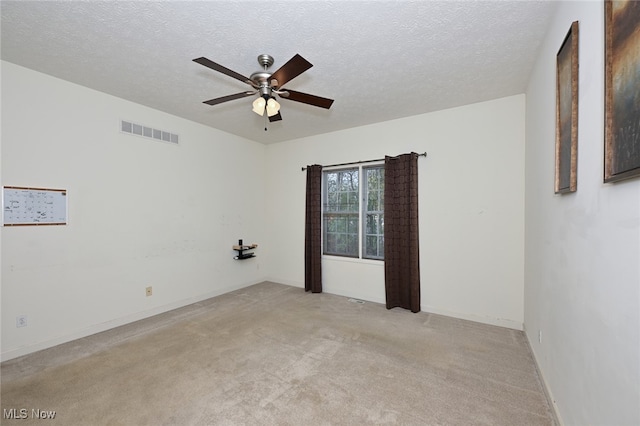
x,y
317,212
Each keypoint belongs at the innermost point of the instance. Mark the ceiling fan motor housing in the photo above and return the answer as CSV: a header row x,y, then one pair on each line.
x,y
260,81
265,90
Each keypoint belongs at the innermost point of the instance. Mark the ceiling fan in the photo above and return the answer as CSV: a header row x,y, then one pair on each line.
x,y
267,85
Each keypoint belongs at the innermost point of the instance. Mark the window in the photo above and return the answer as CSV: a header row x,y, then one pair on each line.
x,y
343,213
340,213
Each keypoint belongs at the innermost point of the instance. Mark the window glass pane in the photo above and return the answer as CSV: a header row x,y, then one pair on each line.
x,y
343,202
353,201
372,224
330,243
371,246
353,225
332,202
352,244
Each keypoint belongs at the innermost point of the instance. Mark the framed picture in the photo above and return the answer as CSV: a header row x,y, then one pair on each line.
x,y
622,90
567,113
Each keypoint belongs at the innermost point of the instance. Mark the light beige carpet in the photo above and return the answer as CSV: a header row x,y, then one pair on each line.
x,y
272,354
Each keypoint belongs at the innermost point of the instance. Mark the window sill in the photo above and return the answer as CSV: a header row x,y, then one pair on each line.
x,y
353,260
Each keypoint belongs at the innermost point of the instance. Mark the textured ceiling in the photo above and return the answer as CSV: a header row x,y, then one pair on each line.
x,y
379,60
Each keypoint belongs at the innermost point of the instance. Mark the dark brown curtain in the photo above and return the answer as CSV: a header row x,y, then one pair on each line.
x,y
401,257
313,231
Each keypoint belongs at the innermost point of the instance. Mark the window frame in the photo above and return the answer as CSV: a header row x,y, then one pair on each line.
x,y
361,212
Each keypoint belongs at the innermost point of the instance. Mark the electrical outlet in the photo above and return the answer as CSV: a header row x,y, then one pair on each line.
x,y
21,321
149,291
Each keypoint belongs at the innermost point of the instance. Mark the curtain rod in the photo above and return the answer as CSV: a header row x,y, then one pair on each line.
x,y
424,154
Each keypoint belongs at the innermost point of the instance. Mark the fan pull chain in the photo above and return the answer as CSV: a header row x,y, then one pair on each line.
x,y
265,118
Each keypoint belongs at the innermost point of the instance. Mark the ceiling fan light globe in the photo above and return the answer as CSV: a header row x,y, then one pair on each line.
x,y
272,107
258,106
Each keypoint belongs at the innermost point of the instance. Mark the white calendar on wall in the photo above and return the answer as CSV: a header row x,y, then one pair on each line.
x,y
33,206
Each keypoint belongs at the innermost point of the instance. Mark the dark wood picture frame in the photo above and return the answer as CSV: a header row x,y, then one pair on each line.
x,y
622,90
567,113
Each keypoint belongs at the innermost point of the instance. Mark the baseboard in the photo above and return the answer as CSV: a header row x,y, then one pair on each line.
x,y
117,322
545,386
515,325
358,296
285,282
500,322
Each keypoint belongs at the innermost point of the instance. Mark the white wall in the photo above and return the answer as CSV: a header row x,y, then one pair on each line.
x,y
471,208
582,272
141,212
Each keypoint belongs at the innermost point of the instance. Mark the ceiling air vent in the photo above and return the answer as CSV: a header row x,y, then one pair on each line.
x,y
147,132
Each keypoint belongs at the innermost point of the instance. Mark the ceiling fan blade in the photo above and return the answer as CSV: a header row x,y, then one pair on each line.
x,y
217,67
217,101
307,99
293,68
276,117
